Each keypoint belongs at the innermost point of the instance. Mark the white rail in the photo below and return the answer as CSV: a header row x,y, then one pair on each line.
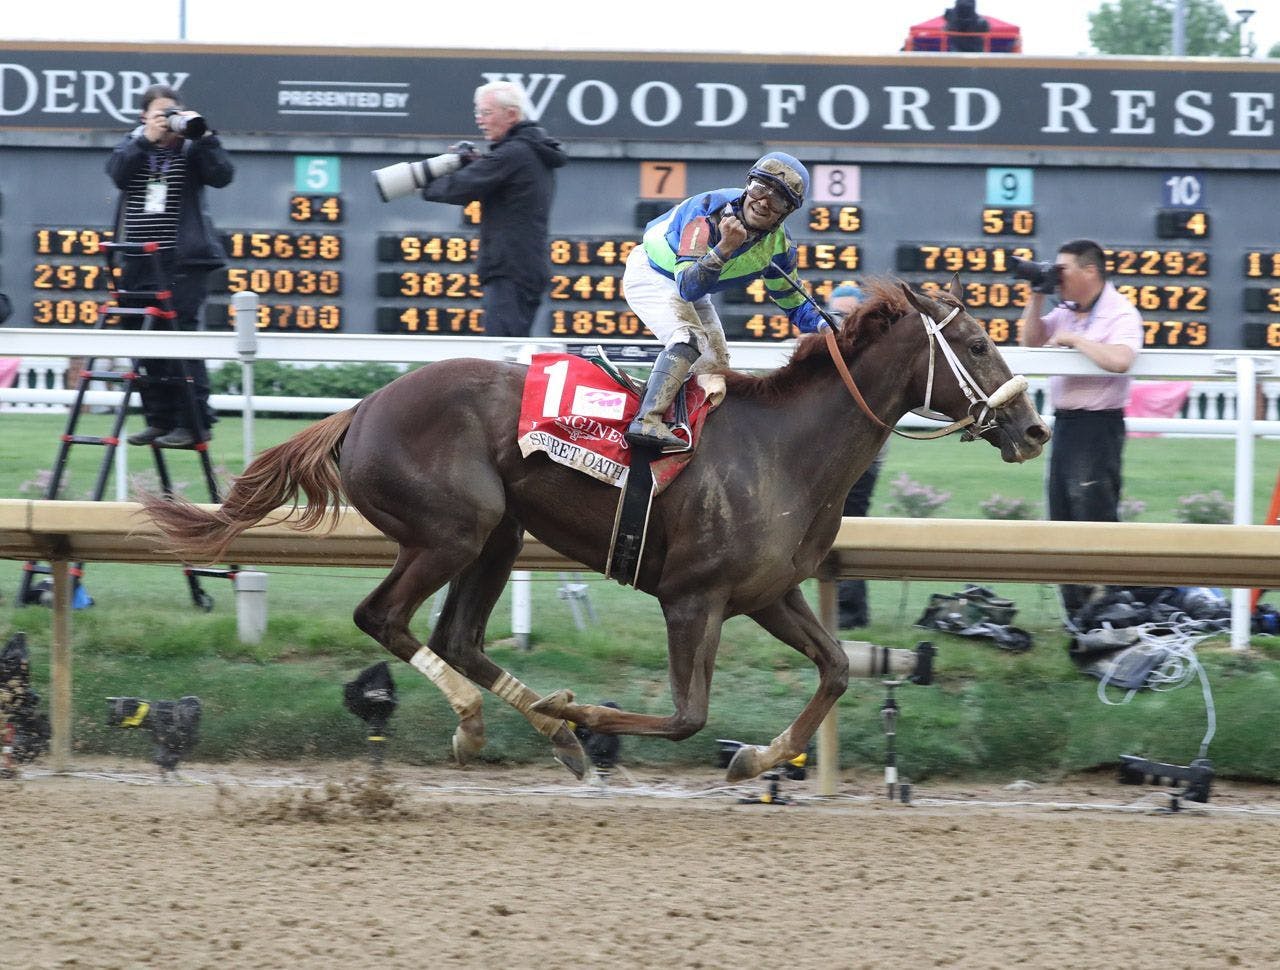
x,y
34,342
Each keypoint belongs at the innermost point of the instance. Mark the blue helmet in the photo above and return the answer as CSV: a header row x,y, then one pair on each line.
x,y
786,173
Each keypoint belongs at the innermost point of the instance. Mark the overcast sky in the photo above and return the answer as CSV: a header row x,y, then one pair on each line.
x,y
838,27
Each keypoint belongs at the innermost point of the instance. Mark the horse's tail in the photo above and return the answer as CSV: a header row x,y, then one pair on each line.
x,y
306,463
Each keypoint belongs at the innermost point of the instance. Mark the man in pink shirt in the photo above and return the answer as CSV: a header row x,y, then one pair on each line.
x,y
1088,434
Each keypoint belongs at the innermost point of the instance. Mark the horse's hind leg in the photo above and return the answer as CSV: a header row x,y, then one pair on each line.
x,y
459,638
385,614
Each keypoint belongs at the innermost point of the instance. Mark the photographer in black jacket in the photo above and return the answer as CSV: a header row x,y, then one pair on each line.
x,y
161,169
515,185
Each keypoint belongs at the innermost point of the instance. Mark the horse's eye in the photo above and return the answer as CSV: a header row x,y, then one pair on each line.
x,y
978,348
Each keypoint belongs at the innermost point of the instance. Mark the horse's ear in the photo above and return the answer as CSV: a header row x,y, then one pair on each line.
x,y
956,290
912,298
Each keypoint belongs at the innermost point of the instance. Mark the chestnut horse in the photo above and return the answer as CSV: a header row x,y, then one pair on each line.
x,y
432,461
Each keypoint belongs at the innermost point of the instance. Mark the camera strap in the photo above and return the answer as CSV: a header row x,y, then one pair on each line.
x,y
158,166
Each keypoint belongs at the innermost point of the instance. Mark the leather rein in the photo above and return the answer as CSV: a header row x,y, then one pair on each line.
x,y
974,425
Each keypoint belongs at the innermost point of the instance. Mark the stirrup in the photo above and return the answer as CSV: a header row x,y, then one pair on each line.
x,y
663,442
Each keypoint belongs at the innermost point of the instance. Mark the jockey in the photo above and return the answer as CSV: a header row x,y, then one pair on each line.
x,y
711,242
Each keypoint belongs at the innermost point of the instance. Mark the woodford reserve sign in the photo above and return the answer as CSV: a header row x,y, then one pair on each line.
x,y
953,100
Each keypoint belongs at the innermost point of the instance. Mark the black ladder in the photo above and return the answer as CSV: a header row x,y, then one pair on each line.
x,y
149,306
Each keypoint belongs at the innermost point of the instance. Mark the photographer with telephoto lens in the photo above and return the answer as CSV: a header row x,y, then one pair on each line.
x,y
161,169
515,184
1093,319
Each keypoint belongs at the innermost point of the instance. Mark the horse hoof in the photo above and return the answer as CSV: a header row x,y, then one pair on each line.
x,y
574,758
466,744
554,704
746,763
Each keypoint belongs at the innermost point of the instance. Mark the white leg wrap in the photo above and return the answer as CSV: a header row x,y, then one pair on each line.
x,y
462,695
781,745
521,698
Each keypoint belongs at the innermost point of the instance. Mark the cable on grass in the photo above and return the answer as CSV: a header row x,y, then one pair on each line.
x,y
1174,643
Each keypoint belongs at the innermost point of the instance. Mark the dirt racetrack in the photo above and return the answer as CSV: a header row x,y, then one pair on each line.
x,y
319,866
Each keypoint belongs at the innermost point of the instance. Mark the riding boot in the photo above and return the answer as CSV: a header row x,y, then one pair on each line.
x,y
669,372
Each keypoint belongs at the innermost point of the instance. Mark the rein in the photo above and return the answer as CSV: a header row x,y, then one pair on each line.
x,y
976,424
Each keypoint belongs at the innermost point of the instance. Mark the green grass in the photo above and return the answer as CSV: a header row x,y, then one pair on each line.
x,y
991,713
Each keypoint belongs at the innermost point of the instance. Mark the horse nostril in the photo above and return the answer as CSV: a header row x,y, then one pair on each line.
x,y
1039,433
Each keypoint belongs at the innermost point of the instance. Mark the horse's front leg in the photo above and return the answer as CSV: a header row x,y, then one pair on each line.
x,y
693,637
791,621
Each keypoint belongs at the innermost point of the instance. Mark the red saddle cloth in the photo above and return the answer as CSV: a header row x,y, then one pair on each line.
x,y
577,413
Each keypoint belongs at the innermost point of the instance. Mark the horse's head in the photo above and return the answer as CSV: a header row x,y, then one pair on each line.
x,y
966,375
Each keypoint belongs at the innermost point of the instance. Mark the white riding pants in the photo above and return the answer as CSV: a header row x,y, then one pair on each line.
x,y
673,319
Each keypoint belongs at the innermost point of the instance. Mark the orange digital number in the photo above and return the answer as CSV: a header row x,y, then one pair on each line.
x,y
663,180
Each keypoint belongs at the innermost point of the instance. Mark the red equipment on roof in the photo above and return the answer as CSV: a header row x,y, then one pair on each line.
x,y
932,35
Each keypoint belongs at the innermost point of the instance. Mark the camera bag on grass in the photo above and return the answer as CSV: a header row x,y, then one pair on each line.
x,y
978,612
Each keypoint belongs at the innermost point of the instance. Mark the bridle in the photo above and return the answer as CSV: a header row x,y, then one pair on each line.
x,y
974,424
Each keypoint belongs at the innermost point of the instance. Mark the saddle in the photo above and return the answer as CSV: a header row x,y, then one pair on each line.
x,y
576,411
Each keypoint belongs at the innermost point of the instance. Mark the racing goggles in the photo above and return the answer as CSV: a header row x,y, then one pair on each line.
x,y
760,189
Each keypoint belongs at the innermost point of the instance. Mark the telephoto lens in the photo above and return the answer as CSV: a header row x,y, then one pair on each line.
x,y
187,126
174,725
406,178
1043,277
401,179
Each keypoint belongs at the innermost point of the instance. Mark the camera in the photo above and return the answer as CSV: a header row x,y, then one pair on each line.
x,y
174,725
185,125
24,731
372,698
1043,277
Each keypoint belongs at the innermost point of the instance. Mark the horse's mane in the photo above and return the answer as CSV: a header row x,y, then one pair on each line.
x,y
883,303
